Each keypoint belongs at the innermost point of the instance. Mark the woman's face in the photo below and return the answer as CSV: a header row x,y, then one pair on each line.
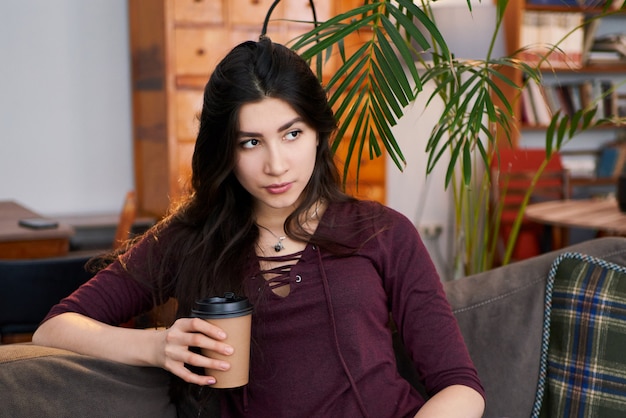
x,y
275,154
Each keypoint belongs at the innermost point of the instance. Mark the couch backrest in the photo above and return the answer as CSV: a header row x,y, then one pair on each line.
x,y
501,314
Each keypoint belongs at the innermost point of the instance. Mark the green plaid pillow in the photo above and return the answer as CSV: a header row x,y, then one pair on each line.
x,y
583,354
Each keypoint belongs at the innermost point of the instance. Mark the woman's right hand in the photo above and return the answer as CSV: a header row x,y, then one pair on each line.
x,y
175,352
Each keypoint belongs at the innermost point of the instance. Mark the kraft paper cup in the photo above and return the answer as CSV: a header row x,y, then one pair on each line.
x,y
233,314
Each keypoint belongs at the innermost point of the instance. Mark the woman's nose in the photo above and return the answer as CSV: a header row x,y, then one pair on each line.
x,y
276,163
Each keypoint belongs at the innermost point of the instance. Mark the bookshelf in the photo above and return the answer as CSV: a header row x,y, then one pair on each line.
x,y
570,80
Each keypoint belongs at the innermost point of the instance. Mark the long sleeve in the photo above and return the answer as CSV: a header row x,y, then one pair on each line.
x,y
113,296
110,297
421,311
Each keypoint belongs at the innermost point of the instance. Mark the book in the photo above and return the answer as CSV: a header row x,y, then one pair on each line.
x,y
580,164
575,96
597,95
621,105
613,43
528,113
586,94
541,110
604,57
588,39
529,36
565,98
556,36
575,40
606,162
620,161
609,97
552,98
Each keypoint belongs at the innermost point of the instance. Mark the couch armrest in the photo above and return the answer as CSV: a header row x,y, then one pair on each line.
x,y
47,382
500,313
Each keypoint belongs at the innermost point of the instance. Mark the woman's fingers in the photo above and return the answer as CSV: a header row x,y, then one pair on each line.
x,y
183,355
190,377
175,363
201,326
194,332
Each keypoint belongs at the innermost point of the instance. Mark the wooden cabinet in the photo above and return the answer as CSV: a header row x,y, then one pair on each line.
x,y
175,44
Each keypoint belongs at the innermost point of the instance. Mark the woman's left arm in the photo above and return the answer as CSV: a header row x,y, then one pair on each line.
x,y
454,401
427,325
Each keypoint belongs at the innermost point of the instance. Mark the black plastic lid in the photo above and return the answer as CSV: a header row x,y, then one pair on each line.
x,y
228,306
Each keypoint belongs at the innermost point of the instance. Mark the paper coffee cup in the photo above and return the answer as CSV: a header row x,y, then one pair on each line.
x,y
233,314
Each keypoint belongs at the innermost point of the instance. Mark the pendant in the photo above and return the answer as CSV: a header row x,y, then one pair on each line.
x,y
279,245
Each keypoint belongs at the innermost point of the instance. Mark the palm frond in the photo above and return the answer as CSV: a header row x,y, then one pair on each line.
x,y
376,82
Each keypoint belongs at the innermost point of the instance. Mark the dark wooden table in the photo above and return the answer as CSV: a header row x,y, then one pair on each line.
x,y
20,242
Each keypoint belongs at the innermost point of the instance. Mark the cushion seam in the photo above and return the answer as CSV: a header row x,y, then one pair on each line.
x,y
618,251
25,357
499,297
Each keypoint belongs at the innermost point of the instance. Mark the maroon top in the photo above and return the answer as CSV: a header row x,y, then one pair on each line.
x,y
326,348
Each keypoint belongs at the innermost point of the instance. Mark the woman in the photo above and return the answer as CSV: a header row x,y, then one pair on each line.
x,y
267,218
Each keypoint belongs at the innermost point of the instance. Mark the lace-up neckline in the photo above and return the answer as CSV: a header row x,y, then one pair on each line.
x,y
278,276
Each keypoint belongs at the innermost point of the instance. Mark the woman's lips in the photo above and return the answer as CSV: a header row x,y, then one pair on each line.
x,y
278,188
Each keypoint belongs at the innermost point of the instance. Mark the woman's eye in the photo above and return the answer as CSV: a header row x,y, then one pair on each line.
x,y
249,143
293,135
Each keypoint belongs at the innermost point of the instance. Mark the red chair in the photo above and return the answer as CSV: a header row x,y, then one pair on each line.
x,y
513,173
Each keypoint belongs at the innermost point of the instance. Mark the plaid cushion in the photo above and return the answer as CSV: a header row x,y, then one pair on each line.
x,y
583,355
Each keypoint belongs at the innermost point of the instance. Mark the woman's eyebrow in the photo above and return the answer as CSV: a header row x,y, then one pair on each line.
x,y
288,124
280,129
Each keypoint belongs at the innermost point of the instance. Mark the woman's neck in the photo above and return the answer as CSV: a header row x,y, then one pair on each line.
x,y
274,219
271,219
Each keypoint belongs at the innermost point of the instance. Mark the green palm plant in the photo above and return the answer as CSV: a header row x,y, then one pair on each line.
x,y
378,80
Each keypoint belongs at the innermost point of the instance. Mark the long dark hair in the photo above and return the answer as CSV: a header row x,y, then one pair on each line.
x,y
209,239
205,246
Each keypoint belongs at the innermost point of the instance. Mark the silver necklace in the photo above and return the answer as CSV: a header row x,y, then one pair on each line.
x,y
279,245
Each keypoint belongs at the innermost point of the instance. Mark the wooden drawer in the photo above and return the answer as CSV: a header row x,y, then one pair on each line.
x,y
188,107
198,11
252,12
368,191
370,170
301,10
198,50
300,14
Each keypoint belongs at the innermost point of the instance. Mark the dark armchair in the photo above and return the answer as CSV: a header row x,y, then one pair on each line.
x,y
29,288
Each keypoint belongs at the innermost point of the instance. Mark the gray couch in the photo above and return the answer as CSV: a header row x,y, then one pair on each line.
x,y
500,313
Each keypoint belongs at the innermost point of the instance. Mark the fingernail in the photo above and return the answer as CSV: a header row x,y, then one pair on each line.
x,y
210,381
225,366
229,350
221,334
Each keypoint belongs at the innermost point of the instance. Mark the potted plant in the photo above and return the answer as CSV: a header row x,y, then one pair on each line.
x,y
400,49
